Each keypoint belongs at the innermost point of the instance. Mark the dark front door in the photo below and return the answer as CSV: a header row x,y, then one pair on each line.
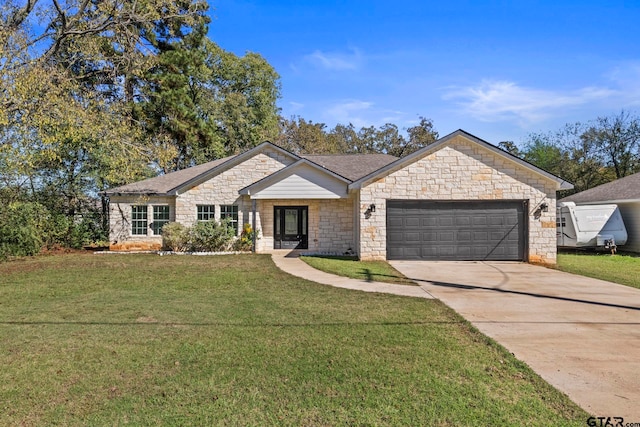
x,y
290,227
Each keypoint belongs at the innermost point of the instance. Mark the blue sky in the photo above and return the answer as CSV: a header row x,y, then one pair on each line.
x,y
497,69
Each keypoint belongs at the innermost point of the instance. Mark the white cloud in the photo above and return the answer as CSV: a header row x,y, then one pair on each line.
x,y
350,111
294,107
493,101
361,114
335,61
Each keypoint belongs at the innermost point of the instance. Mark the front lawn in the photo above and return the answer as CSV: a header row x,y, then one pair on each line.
x,y
232,340
372,271
619,268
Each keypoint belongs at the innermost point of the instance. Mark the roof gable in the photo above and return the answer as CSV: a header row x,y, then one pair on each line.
x,y
176,182
442,142
303,179
623,189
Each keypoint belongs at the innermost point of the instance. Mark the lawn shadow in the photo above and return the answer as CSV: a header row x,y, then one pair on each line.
x,y
369,275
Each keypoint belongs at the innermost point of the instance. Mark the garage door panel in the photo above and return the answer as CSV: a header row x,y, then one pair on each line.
x,y
445,221
395,236
480,236
429,236
429,221
456,230
412,252
463,221
479,220
395,221
445,237
413,237
412,222
464,236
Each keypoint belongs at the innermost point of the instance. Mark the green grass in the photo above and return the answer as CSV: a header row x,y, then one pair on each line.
x,y
619,268
373,271
232,340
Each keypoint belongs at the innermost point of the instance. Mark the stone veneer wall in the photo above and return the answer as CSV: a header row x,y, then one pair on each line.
x,y
219,190
331,224
120,237
461,170
223,188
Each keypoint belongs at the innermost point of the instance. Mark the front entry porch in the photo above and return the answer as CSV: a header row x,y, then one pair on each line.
x,y
290,227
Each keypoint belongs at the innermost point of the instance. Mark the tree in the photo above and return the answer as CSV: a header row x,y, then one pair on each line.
x,y
420,135
617,138
67,92
567,154
299,136
302,137
510,147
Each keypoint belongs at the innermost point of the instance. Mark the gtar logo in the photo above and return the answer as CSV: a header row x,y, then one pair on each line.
x,y
605,422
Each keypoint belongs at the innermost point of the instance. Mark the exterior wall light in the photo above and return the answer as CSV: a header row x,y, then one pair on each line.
x,y
372,207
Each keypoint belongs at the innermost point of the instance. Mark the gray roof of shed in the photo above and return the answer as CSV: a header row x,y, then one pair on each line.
x,y
627,188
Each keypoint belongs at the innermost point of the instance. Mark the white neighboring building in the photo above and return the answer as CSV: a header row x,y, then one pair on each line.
x,y
624,192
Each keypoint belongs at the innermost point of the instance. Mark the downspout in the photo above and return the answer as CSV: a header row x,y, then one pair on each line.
x,y
253,219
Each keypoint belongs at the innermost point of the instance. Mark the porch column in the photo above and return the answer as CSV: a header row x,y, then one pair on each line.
x,y
253,219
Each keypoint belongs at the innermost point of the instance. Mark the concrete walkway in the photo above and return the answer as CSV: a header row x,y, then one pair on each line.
x,y
290,262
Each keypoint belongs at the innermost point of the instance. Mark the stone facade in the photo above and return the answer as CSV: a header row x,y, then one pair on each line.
x,y
331,223
223,189
120,235
461,170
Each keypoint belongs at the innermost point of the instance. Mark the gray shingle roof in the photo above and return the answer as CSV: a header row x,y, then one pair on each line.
x,y
351,166
627,188
163,184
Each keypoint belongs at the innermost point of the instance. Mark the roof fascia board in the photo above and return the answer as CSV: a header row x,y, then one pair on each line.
x,y
285,172
604,202
228,165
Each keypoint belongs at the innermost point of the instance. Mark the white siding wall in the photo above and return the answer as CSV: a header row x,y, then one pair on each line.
x,y
304,182
631,217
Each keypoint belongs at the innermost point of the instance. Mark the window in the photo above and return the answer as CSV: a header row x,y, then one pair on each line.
x,y
206,212
230,213
139,220
160,218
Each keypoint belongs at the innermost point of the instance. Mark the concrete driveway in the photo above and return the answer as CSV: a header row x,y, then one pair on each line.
x,y
581,335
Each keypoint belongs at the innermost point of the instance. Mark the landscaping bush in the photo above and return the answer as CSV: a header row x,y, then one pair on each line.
x,y
175,237
211,236
245,241
207,236
22,226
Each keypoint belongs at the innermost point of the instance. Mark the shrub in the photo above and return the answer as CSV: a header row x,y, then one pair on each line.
x,y
175,237
211,236
245,241
22,226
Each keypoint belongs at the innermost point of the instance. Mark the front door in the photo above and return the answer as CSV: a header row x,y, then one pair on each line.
x,y
290,227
